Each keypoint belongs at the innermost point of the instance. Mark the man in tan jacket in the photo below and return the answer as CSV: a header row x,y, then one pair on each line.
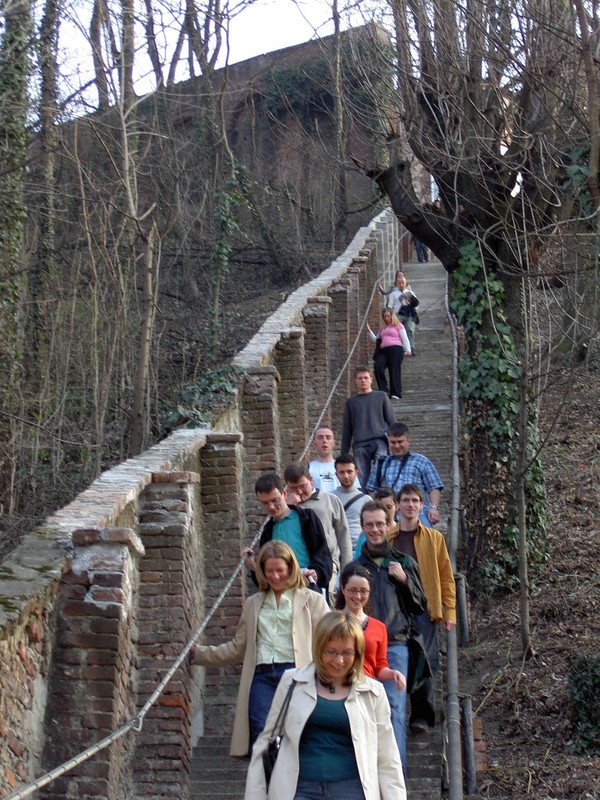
x,y
428,547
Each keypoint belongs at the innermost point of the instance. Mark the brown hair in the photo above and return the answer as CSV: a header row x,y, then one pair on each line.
x,y
344,625
410,488
352,570
373,505
279,549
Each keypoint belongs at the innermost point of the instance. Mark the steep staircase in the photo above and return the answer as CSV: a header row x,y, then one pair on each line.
x,y
426,408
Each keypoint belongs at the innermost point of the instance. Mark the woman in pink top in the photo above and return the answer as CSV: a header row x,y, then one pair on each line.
x,y
353,596
393,344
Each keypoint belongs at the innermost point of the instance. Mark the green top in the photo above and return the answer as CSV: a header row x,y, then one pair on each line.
x,y
326,749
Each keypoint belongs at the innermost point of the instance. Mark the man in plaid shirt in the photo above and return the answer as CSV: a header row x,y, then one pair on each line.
x,y
401,466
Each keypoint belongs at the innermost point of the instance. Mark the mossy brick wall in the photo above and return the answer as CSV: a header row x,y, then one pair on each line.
x,y
339,347
92,682
25,654
316,348
96,604
290,360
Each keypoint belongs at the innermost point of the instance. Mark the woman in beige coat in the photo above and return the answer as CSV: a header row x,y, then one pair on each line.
x,y
274,633
337,740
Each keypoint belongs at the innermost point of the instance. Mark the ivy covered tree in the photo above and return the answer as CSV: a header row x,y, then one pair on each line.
x,y
490,100
15,67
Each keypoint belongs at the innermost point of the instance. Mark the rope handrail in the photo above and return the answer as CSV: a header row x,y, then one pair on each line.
x,y
136,722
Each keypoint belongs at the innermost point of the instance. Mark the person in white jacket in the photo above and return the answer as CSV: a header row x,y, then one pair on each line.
x,y
337,738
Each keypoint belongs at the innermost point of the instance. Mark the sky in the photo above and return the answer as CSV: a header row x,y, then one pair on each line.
x,y
262,27
274,24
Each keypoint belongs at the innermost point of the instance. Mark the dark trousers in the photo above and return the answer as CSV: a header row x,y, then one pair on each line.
x,y
366,454
422,254
422,701
389,358
262,690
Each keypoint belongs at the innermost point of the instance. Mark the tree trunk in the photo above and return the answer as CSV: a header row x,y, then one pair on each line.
x,y
151,266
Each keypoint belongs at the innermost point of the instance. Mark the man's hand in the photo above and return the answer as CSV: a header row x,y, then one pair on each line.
x,y
395,571
434,515
310,575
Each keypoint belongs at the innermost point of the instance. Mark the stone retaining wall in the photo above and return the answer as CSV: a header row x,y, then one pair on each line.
x,y
96,603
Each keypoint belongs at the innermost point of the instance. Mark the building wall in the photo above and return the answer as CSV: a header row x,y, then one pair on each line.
x,y
98,603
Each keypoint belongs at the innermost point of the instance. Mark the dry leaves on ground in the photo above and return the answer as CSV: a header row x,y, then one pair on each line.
x,y
524,705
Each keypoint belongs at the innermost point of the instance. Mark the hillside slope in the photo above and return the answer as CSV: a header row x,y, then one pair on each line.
x,y
524,706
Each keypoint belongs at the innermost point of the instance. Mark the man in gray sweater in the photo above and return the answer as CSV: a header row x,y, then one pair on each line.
x,y
367,416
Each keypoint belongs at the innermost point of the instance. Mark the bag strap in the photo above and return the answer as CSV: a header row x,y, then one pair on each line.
x,y
278,727
353,499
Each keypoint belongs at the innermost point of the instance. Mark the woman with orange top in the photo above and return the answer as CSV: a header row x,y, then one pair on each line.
x,y
353,597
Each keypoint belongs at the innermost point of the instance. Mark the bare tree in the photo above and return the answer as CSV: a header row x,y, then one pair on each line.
x,y
489,101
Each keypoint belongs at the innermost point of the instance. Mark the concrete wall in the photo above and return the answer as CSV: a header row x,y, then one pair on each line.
x,y
96,604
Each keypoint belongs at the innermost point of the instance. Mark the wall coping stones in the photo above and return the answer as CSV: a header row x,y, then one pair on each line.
x,y
44,555
176,477
258,351
84,537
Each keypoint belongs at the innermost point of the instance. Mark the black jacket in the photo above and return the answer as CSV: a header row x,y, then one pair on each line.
x,y
314,538
394,603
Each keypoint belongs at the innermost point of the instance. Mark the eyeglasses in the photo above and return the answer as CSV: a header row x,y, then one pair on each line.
x,y
380,526
361,592
345,654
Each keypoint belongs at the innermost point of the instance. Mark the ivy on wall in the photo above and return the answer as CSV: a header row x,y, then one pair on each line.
x,y
306,90
490,372
198,402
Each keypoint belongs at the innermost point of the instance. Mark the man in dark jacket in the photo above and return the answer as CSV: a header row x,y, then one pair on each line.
x,y
396,598
298,527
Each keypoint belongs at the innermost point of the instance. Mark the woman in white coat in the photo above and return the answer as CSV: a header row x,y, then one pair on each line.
x,y
274,633
337,739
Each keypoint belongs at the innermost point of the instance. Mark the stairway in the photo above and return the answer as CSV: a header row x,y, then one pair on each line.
x,y
426,409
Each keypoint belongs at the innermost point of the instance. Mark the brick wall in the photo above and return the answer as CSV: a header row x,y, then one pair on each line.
x,y
97,603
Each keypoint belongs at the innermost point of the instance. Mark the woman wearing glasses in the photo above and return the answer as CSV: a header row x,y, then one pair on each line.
x,y
337,740
353,597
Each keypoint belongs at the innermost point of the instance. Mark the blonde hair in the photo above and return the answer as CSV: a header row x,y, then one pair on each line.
x,y
278,549
395,320
344,625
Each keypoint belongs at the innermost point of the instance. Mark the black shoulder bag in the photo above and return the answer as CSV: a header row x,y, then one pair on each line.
x,y
269,756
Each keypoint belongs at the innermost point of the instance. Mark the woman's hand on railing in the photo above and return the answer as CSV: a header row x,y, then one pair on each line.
x,y
249,557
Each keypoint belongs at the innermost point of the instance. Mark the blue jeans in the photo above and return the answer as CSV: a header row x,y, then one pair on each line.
x,y
262,690
330,790
398,659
